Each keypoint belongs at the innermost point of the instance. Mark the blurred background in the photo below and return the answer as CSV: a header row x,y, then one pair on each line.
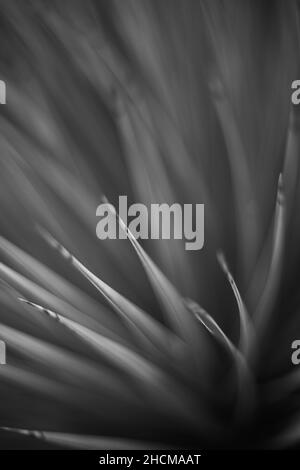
x,y
163,101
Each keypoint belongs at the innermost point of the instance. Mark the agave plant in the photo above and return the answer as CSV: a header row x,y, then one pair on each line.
x,y
119,344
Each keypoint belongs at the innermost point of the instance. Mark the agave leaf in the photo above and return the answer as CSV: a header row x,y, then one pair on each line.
x,y
246,327
172,302
29,288
86,442
55,283
148,332
283,386
245,379
150,177
154,383
291,164
124,358
35,382
63,392
64,366
288,437
210,324
269,294
242,182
